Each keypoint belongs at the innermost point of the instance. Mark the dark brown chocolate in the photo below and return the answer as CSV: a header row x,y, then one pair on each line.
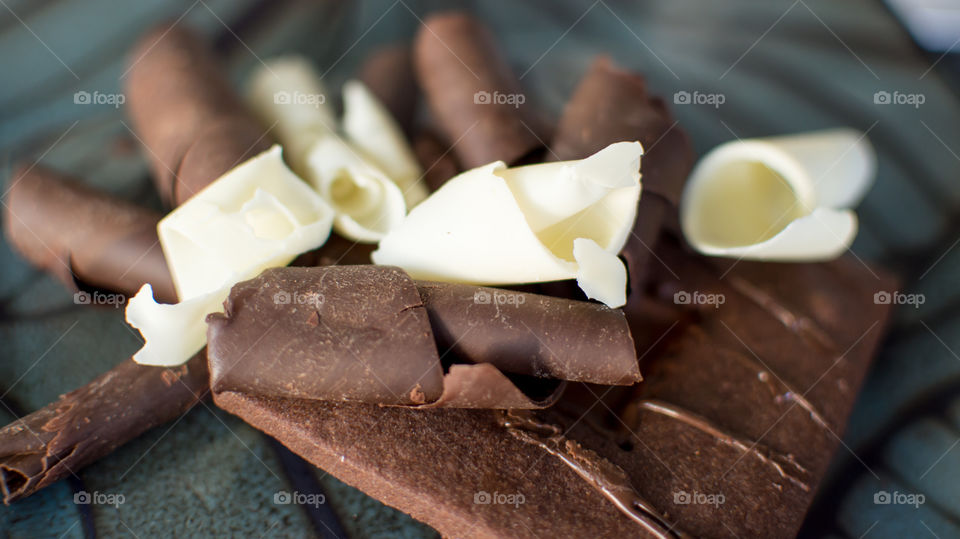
x,y
90,422
701,425
388,73
178,98
436,158
473,93
88,239
362,334
612,105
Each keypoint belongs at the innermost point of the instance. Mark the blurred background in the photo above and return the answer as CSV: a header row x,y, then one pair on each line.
x,y
782,66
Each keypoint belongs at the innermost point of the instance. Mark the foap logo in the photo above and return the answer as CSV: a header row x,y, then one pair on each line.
x,y
897,298
98,498
684,97
884,97
484,97
484,297
682,497
483,497
298,498
298,298
84,97
99,298
284,97
699,298
896,497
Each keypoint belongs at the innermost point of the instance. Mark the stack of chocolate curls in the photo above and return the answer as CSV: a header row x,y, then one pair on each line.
x,y
741,406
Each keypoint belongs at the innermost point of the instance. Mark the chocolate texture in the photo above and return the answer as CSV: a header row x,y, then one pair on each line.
x,y
388,73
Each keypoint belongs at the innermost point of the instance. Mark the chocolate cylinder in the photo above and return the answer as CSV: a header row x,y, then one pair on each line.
x,y
179,97
388,73
88,239
472,92
90,422
611,105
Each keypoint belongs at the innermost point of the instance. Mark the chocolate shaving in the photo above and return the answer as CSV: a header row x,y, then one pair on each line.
x,y
388,73
88,239
437,159
362,334
468,85
192,125
90,422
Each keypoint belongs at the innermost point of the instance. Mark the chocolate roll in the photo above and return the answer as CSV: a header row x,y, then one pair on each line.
x,y
90,422
88,239
612,105
192,125
472,92
371,334
655,463
388,73
436,158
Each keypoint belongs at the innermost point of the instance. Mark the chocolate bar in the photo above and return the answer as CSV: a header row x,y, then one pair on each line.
x,y
192,125
371,334
86,238
472,92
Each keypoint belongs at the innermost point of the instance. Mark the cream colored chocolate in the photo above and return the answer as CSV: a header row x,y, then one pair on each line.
x,y
499,225
781,198
256,216
368,174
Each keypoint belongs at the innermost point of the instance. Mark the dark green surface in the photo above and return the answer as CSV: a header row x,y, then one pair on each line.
x,y
783,66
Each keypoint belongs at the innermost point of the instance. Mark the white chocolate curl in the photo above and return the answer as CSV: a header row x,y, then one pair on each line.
x,y
369,175
256,216
497,225
781,198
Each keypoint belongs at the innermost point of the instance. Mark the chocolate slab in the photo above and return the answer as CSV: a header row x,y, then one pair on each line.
x,y
388,73
472,92
697,426
362,334
178,97
90,422
87,238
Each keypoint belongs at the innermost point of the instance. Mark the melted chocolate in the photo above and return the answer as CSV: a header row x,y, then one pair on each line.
x,y
608,478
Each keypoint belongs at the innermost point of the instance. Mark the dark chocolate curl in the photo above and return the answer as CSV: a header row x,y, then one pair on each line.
x,y
611,105
388,73
350,333
179,97
463,75
88,239
362,334
436,158
531,334
90,422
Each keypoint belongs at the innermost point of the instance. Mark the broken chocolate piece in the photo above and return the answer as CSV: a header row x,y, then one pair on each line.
x,y
531,334
388,73
90,422
191,123
362,334
472,92
87,238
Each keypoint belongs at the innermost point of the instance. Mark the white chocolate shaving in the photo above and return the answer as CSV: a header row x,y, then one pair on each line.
x,y
370,127
368,175
780,198
499,225
256,216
